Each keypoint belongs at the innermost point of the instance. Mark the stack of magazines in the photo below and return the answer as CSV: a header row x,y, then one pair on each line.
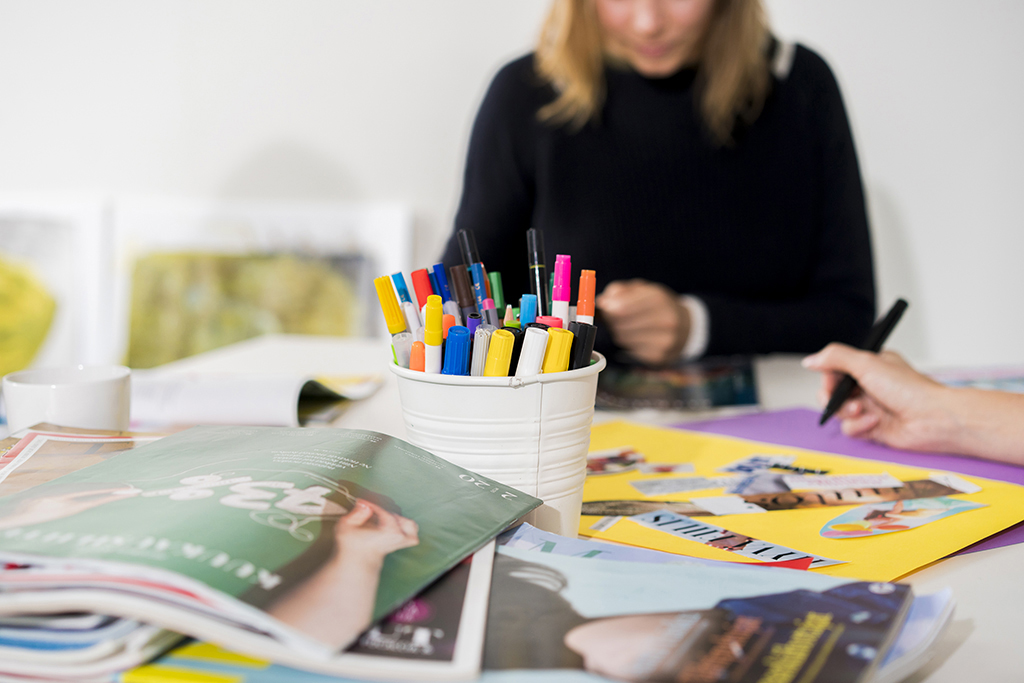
x,y
277,554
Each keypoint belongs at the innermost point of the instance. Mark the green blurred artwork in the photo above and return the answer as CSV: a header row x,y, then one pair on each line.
x,y
187,303
26,311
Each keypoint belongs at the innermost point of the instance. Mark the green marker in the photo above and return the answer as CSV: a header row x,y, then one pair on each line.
x,y
496,291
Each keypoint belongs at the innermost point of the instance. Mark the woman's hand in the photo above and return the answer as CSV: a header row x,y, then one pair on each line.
x,y
369,532
895,404
646,319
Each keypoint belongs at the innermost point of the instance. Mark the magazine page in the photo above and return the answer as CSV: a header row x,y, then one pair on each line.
x,y
325,531
268,399
653,622
438,634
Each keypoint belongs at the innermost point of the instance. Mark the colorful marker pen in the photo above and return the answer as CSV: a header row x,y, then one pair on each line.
x,y
474,322
417,356
582,344
432,335
556,358
452,308
409,309
463,290
549,320
499,354
538,269
402,345
510,317
421,284
497,291
456,352
527,309
560,290
587,294
479,284
517,349
393,317
490,313
442,283
531,357
434,287
481,340
447,322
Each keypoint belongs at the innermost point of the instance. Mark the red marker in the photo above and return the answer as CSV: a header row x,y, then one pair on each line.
x,y
549,320
421,283
585,302
447,320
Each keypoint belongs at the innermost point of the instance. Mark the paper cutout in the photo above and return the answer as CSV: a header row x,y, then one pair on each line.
x,y
759,482
726,505
717,537
664,467
954,482
660,487
797,482
613,461
755,463
885,518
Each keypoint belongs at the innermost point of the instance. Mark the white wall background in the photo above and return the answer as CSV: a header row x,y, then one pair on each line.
x,y
372,101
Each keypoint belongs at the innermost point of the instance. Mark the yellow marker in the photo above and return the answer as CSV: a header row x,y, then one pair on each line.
x,y
499,354
389,304
433,334
556,358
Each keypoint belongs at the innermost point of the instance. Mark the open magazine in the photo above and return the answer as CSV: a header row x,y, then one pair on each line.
x,y
268,399
278,543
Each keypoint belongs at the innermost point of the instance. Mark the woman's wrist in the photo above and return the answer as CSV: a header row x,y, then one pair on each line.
x,y
987,424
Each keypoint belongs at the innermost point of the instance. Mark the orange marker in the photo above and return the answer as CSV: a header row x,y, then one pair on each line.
x,y
585,303
418,357
446,321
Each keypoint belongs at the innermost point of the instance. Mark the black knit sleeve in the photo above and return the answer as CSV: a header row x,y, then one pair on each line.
x,y
498,187
839,301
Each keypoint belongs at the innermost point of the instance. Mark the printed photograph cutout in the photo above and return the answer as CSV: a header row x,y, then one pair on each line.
x,y
901,515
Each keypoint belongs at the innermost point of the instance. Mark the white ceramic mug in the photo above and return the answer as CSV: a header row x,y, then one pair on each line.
x,y
86,397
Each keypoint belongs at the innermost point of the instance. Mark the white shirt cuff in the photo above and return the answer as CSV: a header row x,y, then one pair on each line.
x,y
700,327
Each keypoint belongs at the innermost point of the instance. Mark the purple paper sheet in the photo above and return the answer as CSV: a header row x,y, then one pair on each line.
x,y
799,428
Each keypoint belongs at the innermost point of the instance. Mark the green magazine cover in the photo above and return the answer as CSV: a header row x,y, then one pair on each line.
x,y
325,530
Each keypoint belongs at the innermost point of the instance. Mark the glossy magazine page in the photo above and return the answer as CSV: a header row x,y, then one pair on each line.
x,y
314,533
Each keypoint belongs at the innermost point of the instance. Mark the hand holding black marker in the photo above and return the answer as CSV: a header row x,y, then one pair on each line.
x,y
876,337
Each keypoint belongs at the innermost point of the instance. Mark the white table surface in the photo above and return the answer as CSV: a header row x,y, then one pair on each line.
x,y
985,642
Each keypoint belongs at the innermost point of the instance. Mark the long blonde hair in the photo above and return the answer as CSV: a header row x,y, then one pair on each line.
x,y
733,75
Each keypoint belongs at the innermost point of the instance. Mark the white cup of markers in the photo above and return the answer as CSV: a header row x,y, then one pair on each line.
x,y
456,326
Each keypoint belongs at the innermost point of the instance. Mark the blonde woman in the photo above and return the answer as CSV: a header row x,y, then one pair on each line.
x,y
705,170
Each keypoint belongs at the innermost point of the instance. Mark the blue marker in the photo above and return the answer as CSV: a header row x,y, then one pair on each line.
x,y
403,291
527,310
479,284
433,285
456,351
442,282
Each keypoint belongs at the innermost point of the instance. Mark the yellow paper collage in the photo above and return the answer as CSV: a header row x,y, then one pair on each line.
x,y
884,557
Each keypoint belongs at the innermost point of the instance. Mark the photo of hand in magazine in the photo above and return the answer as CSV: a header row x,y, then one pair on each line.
x,y
329,590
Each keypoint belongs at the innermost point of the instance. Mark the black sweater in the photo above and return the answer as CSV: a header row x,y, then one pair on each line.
x,y
771,233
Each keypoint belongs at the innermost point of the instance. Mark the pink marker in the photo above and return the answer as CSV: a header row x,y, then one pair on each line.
x,y
490,313
560,291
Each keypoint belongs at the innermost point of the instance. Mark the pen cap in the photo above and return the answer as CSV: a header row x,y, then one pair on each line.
x,y
432,326
527,309
421,283
499,354
463,289
550,320
538,325
517,349
535,344
393,316
497,292
583,335
474,322
452,308
467,245
556,358
456,352
418,356
481,342
442,282
400,288
490,313
587,293
447,322
402,344
563,271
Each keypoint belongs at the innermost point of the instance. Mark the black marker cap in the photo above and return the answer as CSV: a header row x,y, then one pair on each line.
x,y
583,336
517,347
